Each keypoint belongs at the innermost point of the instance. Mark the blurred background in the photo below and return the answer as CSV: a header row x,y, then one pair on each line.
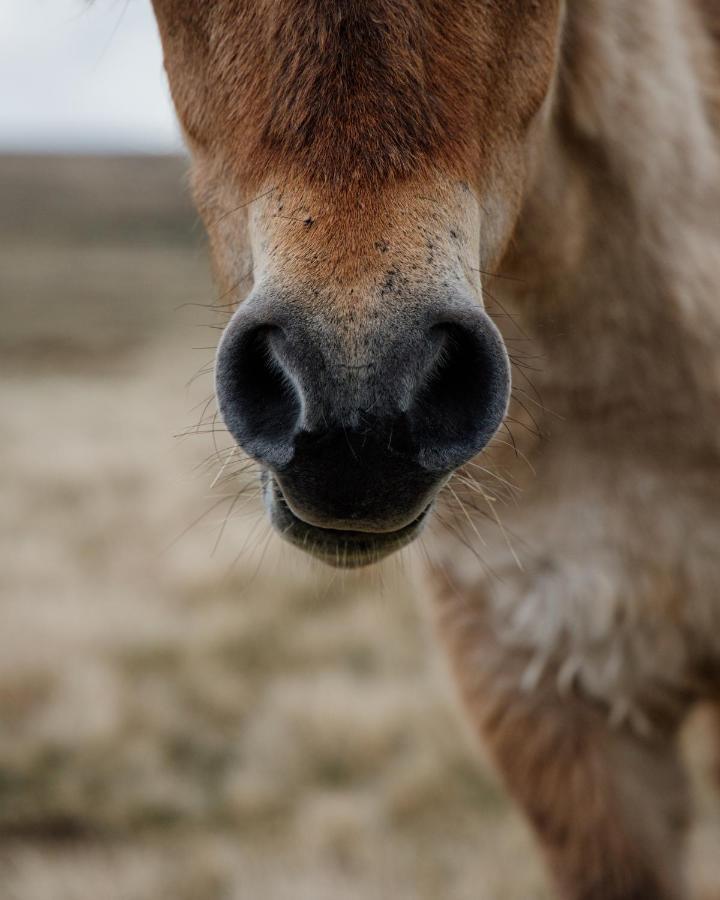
x,y
187,710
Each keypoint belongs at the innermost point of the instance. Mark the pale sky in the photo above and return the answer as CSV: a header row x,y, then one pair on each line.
x,y
78,76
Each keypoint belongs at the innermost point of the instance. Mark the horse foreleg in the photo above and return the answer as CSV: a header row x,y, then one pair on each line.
x,y
608,807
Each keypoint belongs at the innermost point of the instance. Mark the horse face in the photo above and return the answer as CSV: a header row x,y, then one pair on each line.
x,y
371,157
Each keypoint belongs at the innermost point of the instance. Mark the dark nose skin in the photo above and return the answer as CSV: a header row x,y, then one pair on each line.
x,y
360,425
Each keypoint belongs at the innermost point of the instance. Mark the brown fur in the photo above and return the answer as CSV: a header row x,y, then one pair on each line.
x,y
354,92
576,145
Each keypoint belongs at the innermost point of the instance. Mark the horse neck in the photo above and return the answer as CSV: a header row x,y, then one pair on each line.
x,y
618,241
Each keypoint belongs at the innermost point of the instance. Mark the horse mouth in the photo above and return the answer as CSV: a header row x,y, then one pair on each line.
x,y
335,547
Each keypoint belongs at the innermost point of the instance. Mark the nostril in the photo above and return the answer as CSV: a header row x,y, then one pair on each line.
x,y
463,397
259,401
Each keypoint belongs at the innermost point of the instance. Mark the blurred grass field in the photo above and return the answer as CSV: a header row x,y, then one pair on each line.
x,y
180,720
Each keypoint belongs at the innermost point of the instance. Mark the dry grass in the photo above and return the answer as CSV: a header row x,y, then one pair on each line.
x,y
176,723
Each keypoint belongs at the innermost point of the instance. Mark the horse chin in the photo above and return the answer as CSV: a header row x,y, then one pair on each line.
x,y
335,547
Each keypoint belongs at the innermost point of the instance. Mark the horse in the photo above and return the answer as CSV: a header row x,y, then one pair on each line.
x,y
481,238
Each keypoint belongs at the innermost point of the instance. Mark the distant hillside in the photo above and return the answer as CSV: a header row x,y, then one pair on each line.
x,y
96,199
97,254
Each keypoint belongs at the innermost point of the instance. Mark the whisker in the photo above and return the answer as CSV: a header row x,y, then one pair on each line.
x,y
224,466
486,471
524,425
461,537
511,436
196,521
502,277
231,212
467,516
512,318
528,414
245,543
519,453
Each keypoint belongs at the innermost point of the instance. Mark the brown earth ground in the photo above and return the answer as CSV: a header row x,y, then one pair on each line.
x,y
180,720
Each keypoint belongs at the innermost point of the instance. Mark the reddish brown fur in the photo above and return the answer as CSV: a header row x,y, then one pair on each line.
x,y
355,92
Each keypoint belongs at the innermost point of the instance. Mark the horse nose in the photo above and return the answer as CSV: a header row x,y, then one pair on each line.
x,y
426,393
462,399
259,395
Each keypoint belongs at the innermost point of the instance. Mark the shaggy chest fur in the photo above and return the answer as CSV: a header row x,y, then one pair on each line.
x,y
603,584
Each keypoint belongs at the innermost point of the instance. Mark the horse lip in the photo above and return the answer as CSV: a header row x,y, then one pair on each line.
x,y
338,547
342,527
